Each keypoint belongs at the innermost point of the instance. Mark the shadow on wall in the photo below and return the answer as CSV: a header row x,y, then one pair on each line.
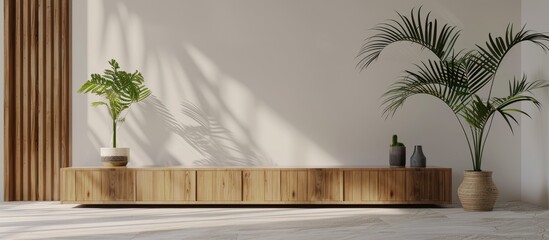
x,y
289,122
207,136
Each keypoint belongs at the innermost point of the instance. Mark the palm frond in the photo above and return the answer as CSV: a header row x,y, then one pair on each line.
x,y
478,112
445,80
517,89
496,48
415,29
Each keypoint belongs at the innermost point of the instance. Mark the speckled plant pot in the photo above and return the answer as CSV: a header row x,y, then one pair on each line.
x,y
397,157
115,157
477,192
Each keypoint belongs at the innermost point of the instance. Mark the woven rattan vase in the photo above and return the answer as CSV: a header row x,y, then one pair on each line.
x,y
477,192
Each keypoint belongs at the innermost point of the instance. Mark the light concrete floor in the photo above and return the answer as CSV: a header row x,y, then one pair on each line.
x,y
35,220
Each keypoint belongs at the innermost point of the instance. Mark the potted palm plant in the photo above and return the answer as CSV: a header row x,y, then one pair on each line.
x,y
120,89
456,77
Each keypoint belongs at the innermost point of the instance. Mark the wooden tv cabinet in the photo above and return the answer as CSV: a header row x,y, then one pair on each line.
x,y
256,185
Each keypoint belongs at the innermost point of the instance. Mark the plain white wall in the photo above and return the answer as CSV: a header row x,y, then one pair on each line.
x,y
280,77
535,131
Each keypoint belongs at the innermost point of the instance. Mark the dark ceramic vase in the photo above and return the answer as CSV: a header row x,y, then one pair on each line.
x,y
418,159
397,156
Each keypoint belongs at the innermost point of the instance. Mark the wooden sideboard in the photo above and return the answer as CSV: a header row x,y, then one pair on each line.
x,y
231,185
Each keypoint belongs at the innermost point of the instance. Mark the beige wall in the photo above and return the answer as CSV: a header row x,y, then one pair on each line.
x,y
280,77
535,131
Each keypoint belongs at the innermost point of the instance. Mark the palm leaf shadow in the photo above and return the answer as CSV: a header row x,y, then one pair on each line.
x,y
208,137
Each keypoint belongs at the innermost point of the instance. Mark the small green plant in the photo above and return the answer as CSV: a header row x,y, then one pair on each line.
x,y
120,90
396,143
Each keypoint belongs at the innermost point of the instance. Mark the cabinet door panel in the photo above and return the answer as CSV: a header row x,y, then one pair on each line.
x,y
180,185
352,186
429,185
293,185
88,185
370,185
219,185
392,184
150,185
68,188
117,184
253,185
272,185
334,185
325,185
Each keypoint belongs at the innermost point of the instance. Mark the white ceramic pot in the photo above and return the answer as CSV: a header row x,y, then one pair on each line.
x,y
115,157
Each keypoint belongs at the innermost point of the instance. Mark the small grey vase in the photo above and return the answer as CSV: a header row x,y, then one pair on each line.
x,y
397,156
418,159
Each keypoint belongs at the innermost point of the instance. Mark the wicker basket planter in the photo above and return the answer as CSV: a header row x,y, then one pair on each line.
x,y
477,192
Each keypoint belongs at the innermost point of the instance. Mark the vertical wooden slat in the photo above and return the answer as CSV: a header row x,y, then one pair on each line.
x,y
41,101
37,97
49,102
65,83
9,36
18,99
33,101
25,101
56,95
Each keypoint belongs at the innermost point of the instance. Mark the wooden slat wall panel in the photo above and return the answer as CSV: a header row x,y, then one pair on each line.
x,y
36,97
9,93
